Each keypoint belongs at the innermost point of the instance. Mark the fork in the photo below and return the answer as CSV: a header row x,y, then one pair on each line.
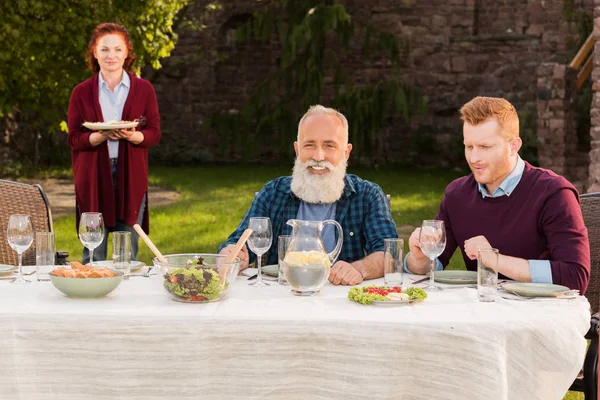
x,y
568,295
146,274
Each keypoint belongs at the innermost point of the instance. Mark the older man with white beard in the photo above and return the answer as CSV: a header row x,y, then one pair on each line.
x,y
320,189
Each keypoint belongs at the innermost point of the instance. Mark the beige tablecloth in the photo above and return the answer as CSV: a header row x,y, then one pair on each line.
x,y
261,343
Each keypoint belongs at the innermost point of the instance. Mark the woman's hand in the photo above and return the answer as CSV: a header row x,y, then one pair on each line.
x,y
98,137
131,135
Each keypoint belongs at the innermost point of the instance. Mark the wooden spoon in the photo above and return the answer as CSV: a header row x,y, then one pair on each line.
x,y
231,257
148,242
238,246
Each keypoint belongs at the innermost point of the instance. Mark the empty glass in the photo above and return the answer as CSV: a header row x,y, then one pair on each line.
x,y
45,254
122,252
20,237
282,246
393,262
91,231
260,242
432,242
487,274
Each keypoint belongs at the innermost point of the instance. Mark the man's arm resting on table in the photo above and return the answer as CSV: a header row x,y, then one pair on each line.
x,y
420,266
518,269
521,270
370,267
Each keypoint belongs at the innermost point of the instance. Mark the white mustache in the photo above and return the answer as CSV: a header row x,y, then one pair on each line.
x,y
319,164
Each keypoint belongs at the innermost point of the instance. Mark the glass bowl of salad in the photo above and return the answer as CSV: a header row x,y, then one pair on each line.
x,y
195,277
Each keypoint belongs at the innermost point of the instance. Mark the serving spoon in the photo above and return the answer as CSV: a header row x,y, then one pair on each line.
x,y
236,250
152,247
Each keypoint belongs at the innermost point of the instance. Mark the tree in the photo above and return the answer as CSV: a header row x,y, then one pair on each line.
x,y
314,36
42,58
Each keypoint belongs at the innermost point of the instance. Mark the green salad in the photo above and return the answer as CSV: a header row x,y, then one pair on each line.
x,y
194,284
369,294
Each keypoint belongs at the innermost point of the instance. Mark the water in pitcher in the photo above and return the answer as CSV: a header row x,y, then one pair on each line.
x,y
306,271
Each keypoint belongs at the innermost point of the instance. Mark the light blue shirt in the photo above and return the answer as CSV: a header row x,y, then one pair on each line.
x,y
320,212
112,104
539,270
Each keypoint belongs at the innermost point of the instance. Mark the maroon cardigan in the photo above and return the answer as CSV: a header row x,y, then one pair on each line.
x,y
91,165
540,220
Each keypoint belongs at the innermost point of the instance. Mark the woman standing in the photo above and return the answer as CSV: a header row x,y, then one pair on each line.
x,y
110,168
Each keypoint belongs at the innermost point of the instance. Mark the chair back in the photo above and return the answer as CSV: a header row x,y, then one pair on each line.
x,y
590,208
21,198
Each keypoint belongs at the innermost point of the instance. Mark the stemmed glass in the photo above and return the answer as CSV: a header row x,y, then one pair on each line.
x,y
432,241
91,231
260,242
20,237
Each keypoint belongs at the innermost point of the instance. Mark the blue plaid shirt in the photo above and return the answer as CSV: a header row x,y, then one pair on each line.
x,y
362,211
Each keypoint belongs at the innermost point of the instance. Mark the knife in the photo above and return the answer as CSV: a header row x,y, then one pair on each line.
x,y
265,277
421,280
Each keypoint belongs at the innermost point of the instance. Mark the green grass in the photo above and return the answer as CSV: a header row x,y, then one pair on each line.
x,y
215,198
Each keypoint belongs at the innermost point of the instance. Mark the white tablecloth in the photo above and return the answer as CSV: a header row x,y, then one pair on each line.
x,y
260,343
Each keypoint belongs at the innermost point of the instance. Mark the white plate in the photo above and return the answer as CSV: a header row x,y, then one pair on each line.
x,y
7,269
104,126
534,289
391,303
135,265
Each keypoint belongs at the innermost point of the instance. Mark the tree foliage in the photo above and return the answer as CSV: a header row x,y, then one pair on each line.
x,y
42,56
314,37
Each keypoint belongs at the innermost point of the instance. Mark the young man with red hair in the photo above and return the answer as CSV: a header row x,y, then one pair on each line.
x,y
531,215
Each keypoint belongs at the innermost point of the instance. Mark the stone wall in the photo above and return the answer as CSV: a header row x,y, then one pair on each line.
x,y
557,125
460,49
594,156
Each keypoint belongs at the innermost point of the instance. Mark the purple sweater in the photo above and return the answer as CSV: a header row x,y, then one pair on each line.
x,y
540,220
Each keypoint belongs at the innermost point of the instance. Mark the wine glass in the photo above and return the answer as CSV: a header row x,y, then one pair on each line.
x,y
260,242
91,231
20,237
432,241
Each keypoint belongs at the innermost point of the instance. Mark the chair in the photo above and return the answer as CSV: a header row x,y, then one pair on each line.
x,y
587,381
20,198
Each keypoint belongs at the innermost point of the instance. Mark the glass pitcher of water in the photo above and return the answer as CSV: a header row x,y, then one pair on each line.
x,y
306,264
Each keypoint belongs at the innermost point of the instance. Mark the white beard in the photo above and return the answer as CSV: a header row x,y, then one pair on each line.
x,y
312,188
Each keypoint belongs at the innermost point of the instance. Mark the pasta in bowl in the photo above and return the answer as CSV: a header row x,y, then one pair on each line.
x,y
82,281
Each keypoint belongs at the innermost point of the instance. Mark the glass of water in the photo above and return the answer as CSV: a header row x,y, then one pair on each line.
x,y
122,252
20,237
283,243
393,262
45,253
487,274
260,242
91,231
432,241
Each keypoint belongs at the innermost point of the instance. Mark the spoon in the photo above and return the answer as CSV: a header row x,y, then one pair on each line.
x,y
232,256
238,246
149,243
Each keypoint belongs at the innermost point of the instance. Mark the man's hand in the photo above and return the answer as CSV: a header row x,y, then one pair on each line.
x,y
417,262
477,242
343,273
415,246
243,255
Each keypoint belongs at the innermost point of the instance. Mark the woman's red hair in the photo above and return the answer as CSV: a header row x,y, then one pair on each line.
x,y
108,28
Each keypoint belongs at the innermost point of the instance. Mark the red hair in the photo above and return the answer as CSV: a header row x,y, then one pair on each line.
x,y
108,28
481,109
